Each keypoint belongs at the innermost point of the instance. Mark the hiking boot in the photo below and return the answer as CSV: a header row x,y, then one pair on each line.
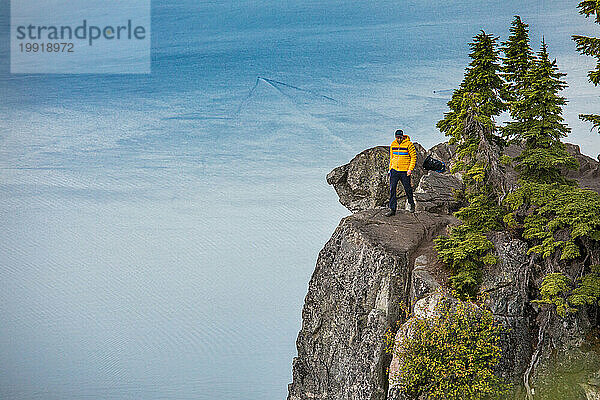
x,y
411,208
390,213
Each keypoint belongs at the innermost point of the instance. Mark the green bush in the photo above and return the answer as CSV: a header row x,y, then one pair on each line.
x,y
451,356
557,290
552,208
465,251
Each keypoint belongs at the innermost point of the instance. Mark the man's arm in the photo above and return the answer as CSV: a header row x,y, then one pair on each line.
x,y
413,158
390,166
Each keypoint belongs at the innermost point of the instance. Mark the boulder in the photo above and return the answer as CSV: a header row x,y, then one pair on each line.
x,y
444,152
363,184
438,193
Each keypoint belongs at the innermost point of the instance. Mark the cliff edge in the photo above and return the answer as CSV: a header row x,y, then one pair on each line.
x,y
356,293
375,272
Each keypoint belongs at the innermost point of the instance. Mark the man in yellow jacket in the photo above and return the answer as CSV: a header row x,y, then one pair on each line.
x,y
403,158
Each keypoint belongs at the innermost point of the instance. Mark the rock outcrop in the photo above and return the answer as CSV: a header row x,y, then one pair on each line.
x,y
588,174
374,271
506,297
438,193
506,290
363,184
566,361
355,295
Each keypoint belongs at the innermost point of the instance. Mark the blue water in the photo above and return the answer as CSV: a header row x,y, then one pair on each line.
x,y
159,231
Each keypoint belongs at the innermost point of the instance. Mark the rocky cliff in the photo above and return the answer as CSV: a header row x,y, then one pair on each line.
x,y
361,281
375,272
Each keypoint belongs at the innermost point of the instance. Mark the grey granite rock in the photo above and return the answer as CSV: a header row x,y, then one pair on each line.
x,y
425,308
422,281
588,174
362,184
505,286
355,294
443,152
438,193
564,365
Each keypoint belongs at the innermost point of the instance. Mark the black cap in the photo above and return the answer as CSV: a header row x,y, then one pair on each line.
x,y
399,132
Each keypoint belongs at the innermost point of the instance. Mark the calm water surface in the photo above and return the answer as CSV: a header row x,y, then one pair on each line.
x,y
159,231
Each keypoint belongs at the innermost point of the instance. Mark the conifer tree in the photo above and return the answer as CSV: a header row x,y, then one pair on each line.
x,y
470,125
539,123
590,46
518,58
545,201
481,79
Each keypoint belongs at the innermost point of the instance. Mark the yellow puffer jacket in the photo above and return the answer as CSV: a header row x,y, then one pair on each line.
x,y
403,156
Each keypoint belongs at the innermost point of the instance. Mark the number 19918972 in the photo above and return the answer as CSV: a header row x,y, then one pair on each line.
x,y
46,47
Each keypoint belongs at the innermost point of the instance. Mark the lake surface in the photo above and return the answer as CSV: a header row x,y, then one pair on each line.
x,y
159,231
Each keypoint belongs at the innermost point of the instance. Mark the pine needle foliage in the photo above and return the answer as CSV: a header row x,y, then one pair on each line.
x,y
558,290
554,290
469,123
546,202
587,291
465,251
482,86
590,46
555,215
572,214
517,60
552,208
451,356
539,124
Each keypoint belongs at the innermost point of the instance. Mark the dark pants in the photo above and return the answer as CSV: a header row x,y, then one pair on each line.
x,y
396,176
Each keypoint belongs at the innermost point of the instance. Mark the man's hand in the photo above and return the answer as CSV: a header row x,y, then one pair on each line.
x,y
409,172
